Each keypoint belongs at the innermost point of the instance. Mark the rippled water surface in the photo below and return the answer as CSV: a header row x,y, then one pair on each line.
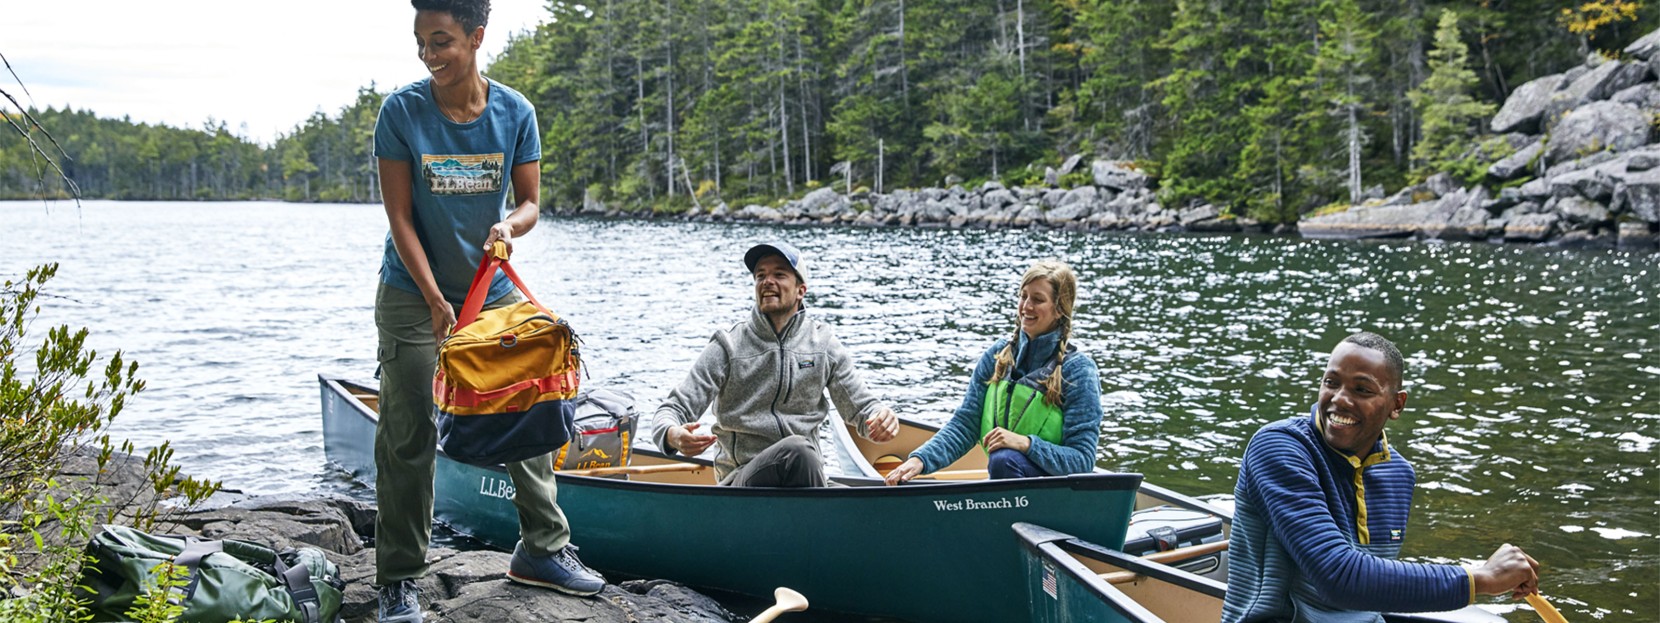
x,y
1534,373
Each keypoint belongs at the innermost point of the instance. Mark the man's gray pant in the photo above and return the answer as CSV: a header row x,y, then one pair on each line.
x,y
791,462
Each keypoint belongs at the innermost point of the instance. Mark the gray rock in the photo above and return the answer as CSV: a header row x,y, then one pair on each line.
x,y
1027,215
1530,228
1117,175
1638,194
1409,195
1065,215
592,204
1628,75
953,180
1198,213
1515,164
1642,162
1441,184
1051,177
1586,238
935,212
1596,127
1579,92
1052,198
1525,105
1468,223
1645,47
1592,183
1578,164
1376,222
997,198
1645,96
818,198
765,214
991,185
1579,212
1088,196
1637,236
1520,210
1071,164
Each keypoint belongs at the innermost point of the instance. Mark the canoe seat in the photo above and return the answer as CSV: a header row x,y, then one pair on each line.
x,y
887,463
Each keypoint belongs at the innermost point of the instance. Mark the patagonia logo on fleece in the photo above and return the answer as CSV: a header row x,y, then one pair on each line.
x,y
804,364
1394,535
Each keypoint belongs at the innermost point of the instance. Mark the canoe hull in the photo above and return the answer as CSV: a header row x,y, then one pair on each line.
x,y
1064,583
922,552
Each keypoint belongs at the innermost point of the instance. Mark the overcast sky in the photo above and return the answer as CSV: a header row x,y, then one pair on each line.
x,y
268,65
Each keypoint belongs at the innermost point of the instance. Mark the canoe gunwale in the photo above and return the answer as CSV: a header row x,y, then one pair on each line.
x,y
1058,548
854,486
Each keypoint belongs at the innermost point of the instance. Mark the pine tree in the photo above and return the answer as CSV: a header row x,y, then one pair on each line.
x,y
1450,114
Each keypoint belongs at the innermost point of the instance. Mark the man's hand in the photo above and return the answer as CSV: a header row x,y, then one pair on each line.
x,y
905,472
502,231
683,440
1003,438
1508,570
882,426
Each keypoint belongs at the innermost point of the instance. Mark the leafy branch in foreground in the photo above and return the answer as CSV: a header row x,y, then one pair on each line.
x,y
55,417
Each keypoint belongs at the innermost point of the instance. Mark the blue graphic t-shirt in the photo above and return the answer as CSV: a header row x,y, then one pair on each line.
x,y
461,173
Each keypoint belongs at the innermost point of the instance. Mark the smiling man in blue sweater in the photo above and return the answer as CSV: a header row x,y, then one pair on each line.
x,y
1321,511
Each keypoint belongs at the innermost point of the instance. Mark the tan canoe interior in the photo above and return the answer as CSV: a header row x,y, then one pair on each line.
x,y
1172,603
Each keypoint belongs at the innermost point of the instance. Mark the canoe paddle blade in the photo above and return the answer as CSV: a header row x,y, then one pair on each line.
x,y
788,601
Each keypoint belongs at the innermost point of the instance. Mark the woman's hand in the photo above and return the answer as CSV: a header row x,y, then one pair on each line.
x,y
443,317
905,472
883,426
502,231
1003,438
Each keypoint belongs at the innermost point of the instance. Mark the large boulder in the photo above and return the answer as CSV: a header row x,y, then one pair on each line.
x,y
1645,48
1376,222
1579,212
1587,88
1638,194
1117,175
1525,105
1530,228
1645,96
1515,164
1596,127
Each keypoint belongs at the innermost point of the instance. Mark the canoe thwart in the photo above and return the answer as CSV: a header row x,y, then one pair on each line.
x,y
635,469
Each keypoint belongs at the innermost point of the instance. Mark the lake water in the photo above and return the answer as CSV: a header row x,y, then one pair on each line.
x,y
1534,373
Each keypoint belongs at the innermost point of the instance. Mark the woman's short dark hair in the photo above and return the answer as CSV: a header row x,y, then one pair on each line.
x,y
471,13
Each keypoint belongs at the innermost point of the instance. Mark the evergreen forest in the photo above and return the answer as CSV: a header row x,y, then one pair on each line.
x,y
1269,108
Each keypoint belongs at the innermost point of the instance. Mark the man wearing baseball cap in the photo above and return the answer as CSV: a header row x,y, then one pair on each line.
x,y
766,379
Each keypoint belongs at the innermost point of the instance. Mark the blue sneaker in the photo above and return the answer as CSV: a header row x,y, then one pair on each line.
x,y
400,602
560,571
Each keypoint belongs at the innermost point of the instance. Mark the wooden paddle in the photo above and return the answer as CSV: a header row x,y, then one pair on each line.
x,y
956,474
1545,610
636,469
788,601
1173,556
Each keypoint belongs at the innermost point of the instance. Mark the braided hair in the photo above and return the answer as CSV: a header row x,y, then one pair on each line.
x,y
1063,285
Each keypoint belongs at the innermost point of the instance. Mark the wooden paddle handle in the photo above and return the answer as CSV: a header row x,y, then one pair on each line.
x,y
1176,555
956,474
635,469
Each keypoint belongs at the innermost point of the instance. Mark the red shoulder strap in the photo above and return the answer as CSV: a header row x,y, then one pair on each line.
x,y
496,257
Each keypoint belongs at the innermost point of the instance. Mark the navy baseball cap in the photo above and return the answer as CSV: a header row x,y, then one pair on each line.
x,y
782,249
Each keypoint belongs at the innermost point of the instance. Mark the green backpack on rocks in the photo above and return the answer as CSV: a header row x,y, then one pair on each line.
x,y
227,579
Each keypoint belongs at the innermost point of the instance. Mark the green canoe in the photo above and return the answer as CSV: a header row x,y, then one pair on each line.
x,y
924,552
1072,580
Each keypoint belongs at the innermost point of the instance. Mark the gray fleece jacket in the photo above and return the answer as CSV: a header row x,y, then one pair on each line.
x,y
764,386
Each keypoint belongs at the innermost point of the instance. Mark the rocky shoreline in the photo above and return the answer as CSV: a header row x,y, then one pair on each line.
x,y
462,586
1585,172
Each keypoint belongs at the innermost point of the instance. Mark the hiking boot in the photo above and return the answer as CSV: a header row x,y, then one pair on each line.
x,y
560,571
400,602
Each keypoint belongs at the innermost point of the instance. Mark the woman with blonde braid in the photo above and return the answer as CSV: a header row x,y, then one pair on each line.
x,y
1034,402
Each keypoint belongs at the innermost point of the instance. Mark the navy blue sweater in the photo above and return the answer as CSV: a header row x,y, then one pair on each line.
x,y
1316,531
1080,410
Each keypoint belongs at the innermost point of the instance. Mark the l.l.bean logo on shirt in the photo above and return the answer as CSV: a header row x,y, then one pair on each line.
x,y
462,175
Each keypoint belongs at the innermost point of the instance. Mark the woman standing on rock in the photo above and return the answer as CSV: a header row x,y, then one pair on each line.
x,y
1034,402
447,147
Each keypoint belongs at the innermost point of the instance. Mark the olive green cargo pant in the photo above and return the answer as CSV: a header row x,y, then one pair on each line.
x,y
406,441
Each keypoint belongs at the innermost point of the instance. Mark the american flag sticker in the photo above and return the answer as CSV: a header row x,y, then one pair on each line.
x,y
1049,580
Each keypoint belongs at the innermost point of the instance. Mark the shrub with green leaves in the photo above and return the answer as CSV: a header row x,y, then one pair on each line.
x,y
59,408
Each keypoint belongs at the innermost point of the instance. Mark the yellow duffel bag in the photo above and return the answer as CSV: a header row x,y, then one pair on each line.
x,y
506,377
